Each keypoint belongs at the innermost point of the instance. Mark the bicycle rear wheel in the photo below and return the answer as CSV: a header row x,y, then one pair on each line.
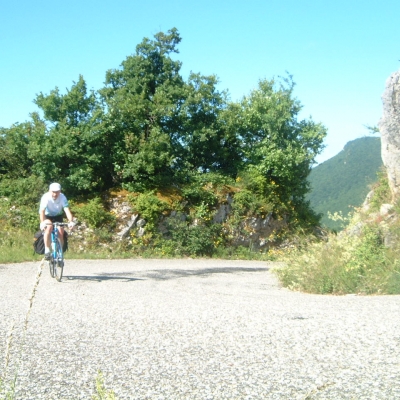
x,y
59,261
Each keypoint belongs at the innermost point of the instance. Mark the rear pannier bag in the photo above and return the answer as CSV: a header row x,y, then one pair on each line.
x,y
65,245
38,242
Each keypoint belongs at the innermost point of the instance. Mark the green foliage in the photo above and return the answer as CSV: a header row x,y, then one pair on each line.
x,y
195,194
148,129
246,203
212,179
23,191
275,144
16,245
149,207
142,99
18,217
182,239
381,191
101,392
14,144
207,145
94,214
342,182
355,263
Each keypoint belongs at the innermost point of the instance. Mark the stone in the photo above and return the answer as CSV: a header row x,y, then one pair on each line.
x,y
141,223
389,126
126,230
222,213
385,209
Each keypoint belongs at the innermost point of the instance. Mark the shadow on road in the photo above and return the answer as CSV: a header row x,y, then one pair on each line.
x,y
161,274
101,278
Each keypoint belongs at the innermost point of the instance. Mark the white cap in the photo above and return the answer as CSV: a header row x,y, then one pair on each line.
x,y
55,187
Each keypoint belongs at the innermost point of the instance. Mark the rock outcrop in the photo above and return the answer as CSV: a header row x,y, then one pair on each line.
x,y
389,126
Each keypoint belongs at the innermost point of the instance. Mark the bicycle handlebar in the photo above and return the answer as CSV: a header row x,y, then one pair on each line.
x,y
58,224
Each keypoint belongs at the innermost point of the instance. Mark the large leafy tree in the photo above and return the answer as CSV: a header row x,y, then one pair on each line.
x,y
71,148
162,126
207,144
141,100
278,149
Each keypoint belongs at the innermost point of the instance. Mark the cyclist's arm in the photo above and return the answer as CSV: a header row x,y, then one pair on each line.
x,y
42,215
68,214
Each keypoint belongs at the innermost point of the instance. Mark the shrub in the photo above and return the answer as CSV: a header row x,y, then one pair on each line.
x,y
247,203
23,191
195,194
344,264
381,191
182,239
149,207
24,217
94,214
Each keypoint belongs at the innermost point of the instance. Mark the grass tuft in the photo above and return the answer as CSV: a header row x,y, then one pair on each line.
x,y
101,392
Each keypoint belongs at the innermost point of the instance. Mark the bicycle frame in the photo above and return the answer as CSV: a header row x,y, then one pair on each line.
x,y
56,262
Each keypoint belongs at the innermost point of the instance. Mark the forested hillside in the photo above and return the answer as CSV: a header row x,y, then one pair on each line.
x,y
342,182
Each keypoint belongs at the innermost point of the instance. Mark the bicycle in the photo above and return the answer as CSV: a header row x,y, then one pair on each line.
x,y
56,262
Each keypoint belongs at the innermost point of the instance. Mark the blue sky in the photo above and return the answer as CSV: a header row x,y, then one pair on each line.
x,y
340,52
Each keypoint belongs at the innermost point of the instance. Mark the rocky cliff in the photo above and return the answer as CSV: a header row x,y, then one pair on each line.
x,y
389,126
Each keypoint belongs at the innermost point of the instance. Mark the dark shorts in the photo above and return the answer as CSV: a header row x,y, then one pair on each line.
x,y
57,218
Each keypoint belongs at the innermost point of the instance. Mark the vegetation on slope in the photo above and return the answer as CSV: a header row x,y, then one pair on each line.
x,y
363,259
342,183
149,129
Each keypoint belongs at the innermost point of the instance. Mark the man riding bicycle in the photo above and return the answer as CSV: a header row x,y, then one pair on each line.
x,y
52,205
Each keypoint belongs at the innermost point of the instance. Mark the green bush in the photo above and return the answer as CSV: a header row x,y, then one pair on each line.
x,y
213,179
381,191
23,217
94,214
149,207
356,263
23,191
182,239
247,203
195,194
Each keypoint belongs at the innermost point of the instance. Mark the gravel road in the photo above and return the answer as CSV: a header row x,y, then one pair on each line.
x,y
191,329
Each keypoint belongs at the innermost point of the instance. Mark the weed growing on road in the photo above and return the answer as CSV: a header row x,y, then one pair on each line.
x,y
101,392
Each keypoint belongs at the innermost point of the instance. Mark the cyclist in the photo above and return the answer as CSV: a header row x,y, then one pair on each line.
x,y
52,205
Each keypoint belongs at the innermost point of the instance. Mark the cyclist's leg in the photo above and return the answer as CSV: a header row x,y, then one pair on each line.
x,y
61,235
47,237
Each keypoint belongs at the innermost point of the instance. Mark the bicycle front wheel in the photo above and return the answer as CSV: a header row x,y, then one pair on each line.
x,y
51,267
59,261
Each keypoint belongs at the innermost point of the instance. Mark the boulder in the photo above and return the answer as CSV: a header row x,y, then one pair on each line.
x,y
389,126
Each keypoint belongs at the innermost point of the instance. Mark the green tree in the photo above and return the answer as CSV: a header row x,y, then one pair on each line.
x,y
278,149
72,109
141,99
207,146
162,126
14,144
71,147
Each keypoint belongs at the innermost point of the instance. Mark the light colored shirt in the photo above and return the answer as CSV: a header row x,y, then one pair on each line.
x,y
53,207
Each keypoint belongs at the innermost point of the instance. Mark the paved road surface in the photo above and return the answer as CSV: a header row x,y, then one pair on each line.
x,y
192,329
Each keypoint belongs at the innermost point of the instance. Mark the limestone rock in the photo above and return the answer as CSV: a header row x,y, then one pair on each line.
x,y
389,126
